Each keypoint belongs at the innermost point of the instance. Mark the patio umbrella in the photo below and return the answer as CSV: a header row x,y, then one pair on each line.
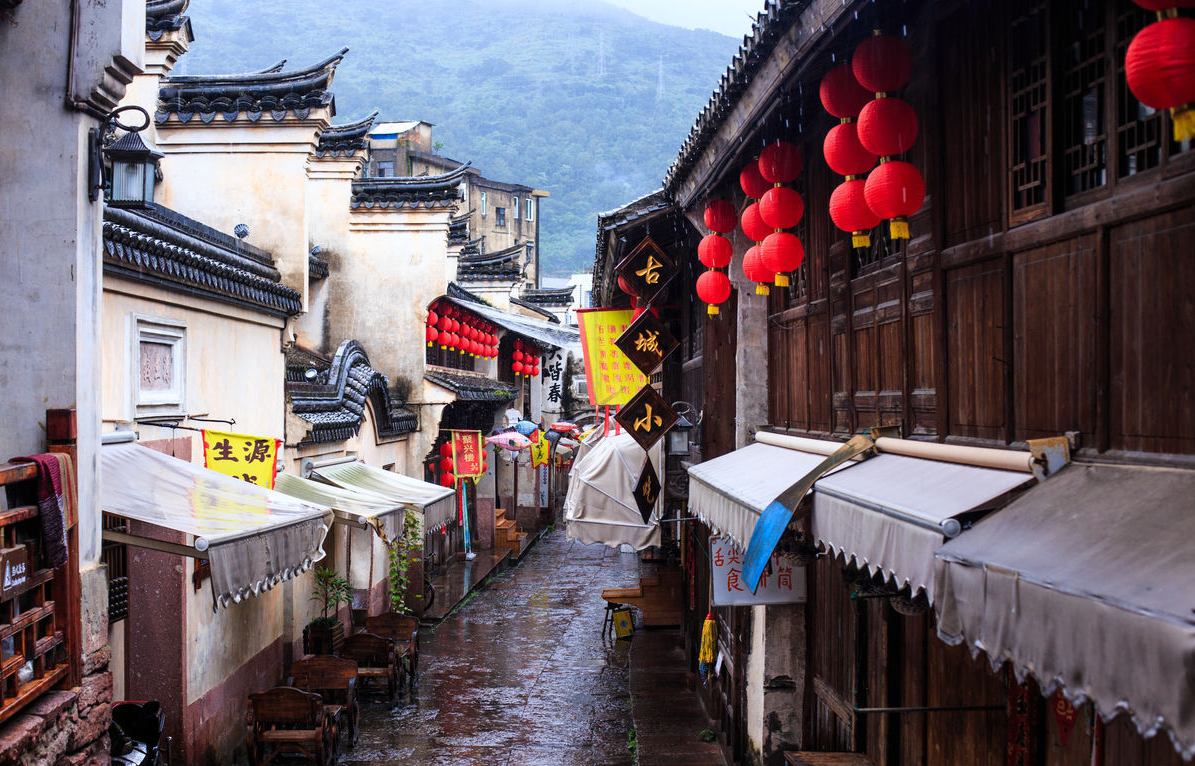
x,y
600,506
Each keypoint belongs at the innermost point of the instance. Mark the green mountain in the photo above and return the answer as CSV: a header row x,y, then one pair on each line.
x,y
589,103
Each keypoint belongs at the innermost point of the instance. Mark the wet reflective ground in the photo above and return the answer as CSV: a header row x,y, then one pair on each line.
x,y
519,674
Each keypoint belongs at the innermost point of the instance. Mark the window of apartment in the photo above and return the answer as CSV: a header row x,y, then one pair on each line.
x,y
500,216
515,208
483,204
385,169
530,209
158,369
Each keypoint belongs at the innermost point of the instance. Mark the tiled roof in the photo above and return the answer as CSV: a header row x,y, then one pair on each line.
x,y
317,268
470,386
549,296
271,92
160,247
334,401
458,229
419,191
460,293
646,207
506,264
543,312
547,333
162,16
345,140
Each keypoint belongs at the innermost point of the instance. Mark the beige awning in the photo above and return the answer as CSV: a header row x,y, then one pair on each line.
x,y
357,508
600,505
253,537
1085,583
437,503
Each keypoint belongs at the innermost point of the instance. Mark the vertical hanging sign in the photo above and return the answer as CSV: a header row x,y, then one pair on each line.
x,y
466,454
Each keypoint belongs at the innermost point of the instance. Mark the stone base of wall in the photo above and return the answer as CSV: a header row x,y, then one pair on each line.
x,y
62,728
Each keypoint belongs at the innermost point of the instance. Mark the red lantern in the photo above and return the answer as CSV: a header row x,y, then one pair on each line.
x,y
446,449
517,356
882,63
754,185
519,343
753,225
756,271
1161,5
887,126
445,324
895,190
1160,69
431,334
517,367
844,154
432,318
849,211
781,207
720,216
447,480
715,251
456,326
713,287
841,93
780,162
446,464
782,252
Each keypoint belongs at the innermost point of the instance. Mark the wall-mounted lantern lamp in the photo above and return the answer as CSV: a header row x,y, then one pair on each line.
x,y
134,162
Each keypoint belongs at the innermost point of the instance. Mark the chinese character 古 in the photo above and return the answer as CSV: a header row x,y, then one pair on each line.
x,y
647,422
258,452
648,272
223,450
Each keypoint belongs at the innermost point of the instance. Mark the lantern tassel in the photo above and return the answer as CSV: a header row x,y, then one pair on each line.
x,y
781,280
709,636
900,228
860,239
1183,118
762,289
711,310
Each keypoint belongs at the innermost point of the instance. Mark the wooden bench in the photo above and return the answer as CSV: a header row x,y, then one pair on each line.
x,y
288,720
374,656
403,629
335,680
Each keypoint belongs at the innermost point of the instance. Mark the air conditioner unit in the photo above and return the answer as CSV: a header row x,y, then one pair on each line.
x,y
580,388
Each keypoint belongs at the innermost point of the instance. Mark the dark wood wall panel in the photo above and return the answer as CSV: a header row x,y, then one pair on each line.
x,y
1152,331
1055,318
975,349
721,380
820,407
975,738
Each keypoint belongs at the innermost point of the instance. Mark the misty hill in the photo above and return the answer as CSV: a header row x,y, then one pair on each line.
x,y
590,103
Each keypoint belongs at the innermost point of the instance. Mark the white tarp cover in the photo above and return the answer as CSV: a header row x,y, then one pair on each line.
x,y
1086,583
255,537
438,503
886,513
730,492
600,504
352,504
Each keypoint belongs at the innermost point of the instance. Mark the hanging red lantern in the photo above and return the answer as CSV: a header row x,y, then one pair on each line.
x,y
519,344
841,93
431,334
447,480
444,325
446,449
895,191
882,63
517,356
780,162
1159,67
1161,5
456,326
756,271
432,318
849,211
517,367
720,216
753,225
887,126
714,251
713,287
844,154
754,185
446,464
781,208
782,252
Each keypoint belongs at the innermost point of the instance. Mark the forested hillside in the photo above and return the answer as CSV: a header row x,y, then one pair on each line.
x,y
587,101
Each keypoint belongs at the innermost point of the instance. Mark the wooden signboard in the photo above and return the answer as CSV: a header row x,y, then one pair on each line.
x,y
646,417
646,269
646,342
647,491
15,568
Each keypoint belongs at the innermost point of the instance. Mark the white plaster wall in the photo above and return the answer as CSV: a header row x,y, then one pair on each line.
x,y
755,677
330,188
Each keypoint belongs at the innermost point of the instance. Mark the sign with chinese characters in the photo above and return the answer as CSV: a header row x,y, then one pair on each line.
x,y
647,491
646,342
646,417
250,458
553,381
466,454
14,562
541,482
613,379
646,269
783,580
541,450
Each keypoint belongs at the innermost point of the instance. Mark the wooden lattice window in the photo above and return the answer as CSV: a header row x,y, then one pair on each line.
x,y
450,358
1140,130
1028,94
1084,72
882,251
115,557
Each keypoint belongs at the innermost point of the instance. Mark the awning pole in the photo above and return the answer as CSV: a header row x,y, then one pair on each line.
x,y
942,709
113,536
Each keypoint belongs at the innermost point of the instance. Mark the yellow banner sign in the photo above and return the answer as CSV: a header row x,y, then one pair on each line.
x,y
249,458
613,378
541,450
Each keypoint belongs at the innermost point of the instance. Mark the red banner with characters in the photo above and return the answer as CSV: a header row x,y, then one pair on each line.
x,y
467,457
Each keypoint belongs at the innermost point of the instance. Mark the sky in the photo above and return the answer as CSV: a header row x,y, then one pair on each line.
x,y
729,17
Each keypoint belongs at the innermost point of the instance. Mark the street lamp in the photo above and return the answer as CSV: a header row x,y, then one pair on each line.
x,y
678,437
134,170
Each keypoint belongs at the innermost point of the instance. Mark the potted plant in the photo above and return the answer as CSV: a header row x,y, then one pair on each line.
x,y
325,634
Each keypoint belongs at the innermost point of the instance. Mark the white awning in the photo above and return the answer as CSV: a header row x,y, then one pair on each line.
x,y
253,537
891,512
355,507
437,503
600,506
730,492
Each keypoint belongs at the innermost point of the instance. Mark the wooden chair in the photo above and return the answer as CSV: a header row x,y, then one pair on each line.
x,y
403,629
335,680
374,656
288,720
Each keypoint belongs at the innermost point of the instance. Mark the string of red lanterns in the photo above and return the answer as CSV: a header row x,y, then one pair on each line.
x,y
460,330
781,208
525,359
715,251
1159,65
843,96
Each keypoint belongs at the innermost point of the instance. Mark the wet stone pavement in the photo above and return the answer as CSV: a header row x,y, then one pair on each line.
x,y
517,675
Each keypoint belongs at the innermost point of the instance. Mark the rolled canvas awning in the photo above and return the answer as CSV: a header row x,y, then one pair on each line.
x,y
354,507
437,503
1085,583
253,537
600,506
891,512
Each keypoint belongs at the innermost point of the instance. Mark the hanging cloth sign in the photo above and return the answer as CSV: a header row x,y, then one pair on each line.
x,y
541,450
466,454
612,377
250,458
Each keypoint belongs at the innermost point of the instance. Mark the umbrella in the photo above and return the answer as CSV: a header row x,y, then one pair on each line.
x,y
600,506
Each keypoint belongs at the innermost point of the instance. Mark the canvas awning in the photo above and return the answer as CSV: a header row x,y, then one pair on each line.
x,y
1085,583
358,508
730,492
253,537
437,503
600,505
891,512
